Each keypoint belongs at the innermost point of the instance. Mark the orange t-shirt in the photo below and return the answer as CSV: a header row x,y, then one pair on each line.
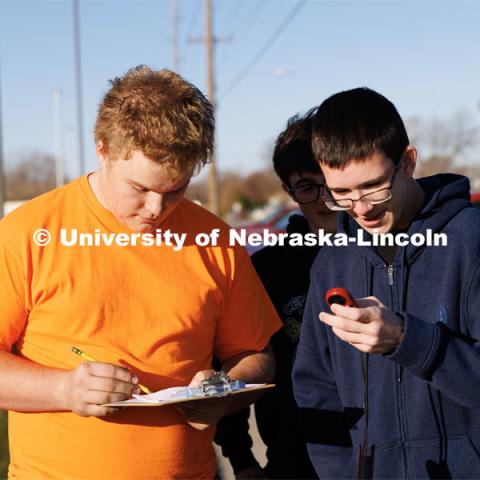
x,y
161,312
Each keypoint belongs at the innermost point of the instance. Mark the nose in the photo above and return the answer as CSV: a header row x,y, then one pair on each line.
x,y
155,204
362,208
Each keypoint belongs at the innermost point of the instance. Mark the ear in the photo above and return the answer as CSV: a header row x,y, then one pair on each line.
x,y
100,151
409,161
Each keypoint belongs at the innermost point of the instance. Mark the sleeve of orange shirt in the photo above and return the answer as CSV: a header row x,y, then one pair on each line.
x,y
248,319
13,312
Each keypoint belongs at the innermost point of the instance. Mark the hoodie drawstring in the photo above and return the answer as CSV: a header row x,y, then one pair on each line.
x,y
365,461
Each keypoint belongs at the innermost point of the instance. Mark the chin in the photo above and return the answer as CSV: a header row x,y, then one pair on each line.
x,y
147,228
382,228
386,228
138,227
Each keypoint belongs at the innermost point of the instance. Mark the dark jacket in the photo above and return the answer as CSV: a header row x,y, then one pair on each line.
x,y
284,272
424,397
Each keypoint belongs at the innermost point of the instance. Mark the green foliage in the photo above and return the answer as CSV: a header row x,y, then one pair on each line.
x,y
248,204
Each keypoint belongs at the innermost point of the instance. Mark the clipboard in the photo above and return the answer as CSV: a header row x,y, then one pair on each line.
x,y
174,395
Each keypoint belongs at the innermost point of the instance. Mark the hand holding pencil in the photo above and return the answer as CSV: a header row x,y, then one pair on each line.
x,y
92,384
83,355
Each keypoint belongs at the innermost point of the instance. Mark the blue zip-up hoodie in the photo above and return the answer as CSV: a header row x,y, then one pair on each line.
x,y
424,397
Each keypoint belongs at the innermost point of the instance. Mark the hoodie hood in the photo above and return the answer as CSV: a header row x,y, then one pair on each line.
x,y
445,196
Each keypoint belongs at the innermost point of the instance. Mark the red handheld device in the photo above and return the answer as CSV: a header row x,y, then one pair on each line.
x,y
341,296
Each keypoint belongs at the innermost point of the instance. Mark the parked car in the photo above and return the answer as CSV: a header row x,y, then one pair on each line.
x,y
475,198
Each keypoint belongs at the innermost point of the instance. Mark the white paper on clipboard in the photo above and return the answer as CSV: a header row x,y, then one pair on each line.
x,y
172,395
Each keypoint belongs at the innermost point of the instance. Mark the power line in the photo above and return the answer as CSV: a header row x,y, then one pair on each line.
x,y
235,15
194,18
249,20
190,30
292,14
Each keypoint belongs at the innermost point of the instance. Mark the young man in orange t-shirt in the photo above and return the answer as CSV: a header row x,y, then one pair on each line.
x,y
151,311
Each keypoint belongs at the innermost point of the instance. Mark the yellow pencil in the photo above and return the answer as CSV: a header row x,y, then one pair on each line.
x,y
83,355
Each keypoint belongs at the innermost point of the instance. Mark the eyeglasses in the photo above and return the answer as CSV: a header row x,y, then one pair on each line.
x,y
373,198
308,193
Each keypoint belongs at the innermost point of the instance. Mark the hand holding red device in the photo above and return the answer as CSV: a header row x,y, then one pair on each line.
x,y
341,296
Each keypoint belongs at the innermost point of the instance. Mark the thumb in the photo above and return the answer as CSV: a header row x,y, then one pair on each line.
x,y
199,377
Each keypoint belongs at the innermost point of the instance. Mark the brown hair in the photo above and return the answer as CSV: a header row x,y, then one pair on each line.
x,y
354,124
159,113
293,148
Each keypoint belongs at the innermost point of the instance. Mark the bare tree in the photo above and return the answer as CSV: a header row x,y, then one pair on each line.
x,y
251,191
260,186
30,174
198,191
444,145
230,187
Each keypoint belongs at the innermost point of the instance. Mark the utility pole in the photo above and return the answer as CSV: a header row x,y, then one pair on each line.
x,y
57,136
210,40
213,193
175,58
78,82
3,193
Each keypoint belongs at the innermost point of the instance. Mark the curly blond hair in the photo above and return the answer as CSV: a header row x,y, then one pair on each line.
x,y
160,114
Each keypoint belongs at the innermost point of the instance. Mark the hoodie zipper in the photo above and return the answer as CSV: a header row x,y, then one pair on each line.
x,y
390,283
390,275
398,383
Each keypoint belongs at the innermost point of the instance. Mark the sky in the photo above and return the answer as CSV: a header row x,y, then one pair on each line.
x,y
273,58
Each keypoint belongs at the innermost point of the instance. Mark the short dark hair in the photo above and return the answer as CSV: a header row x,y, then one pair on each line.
x,y
354,124
293,147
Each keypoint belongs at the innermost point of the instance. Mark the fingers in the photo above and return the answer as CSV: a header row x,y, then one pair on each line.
x,y
201,414
111,385
368,302
355,338
107,378
199,377
195,418
100,398
371,328
361,304
362,314
364,330
343,323
93,384
92,410
100,369
364,343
